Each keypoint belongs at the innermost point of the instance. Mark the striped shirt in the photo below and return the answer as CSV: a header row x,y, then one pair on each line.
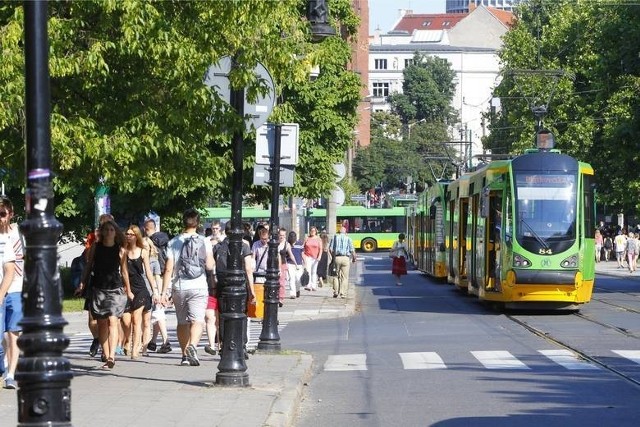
x,y
341,245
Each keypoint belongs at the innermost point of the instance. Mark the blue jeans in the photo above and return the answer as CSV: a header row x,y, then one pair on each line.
x,y
2,367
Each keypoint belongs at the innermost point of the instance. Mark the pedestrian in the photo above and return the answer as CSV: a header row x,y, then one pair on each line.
x,y
107,270
92,323
608,245
221,256
260,249
11,276
157,242
325,259
599,241
311,256
399,254
189,268
620,243
294,265
139,269
342,251
632,252
216,235
286,257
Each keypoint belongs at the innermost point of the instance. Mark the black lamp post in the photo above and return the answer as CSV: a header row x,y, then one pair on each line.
x,y
317,14
44,376
269,337
232,369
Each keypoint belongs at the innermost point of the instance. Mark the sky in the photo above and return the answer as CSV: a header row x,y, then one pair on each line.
x,y
384,13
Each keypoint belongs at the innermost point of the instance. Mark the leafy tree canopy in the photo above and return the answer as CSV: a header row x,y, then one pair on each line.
x,y
129,104
593,109
428,89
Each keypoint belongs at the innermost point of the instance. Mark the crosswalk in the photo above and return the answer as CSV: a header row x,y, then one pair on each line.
x,y
80,342
492,360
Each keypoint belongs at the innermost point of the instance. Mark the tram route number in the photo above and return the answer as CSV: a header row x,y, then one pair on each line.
x,y
543,251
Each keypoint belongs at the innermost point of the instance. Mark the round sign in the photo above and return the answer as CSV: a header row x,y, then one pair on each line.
x,y
337,194
255,113
341,170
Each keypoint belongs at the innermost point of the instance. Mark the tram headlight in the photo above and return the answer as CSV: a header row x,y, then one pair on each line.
x,y
570,262
520,261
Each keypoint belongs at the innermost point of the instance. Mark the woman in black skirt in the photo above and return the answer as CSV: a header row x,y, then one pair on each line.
x,y
109,286
323,264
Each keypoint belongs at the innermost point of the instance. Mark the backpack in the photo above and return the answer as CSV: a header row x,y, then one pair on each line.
x,y
607,243
192,258
161,240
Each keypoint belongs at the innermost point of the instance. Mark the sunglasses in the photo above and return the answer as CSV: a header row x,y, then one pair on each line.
x,y
3,214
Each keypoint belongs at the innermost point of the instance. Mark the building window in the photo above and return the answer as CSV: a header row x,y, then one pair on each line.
x,y
380,89
408,62
380,64
426,23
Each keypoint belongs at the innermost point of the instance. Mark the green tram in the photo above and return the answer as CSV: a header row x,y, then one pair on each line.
x,y
515,232
369,228
249,214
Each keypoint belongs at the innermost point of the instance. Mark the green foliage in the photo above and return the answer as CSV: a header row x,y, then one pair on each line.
x,y
594,110
128,102
390,160
428,89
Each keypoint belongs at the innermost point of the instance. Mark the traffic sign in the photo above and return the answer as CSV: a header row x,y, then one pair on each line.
x,y
255,113
266,140
262,175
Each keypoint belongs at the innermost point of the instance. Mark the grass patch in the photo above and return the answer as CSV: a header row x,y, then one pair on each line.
x,y
71,304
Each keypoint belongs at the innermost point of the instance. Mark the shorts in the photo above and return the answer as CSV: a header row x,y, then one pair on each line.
x,y
190,305
155,267
12,312
158,313
212,303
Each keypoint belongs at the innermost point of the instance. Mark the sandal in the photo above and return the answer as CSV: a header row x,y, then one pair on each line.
x,y
110,363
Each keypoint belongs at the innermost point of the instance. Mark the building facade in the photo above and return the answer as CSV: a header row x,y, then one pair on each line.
x,y
465,6
470,46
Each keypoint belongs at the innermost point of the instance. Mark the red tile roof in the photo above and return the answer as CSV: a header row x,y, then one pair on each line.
x,y
440,21
506,17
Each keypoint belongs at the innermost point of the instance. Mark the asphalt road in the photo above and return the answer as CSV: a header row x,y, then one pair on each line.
x,y
424,355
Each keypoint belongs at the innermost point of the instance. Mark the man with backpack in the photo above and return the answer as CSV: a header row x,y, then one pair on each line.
x,y
189,269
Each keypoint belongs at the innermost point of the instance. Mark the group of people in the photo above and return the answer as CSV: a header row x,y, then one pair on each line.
x,y
129,279
626,247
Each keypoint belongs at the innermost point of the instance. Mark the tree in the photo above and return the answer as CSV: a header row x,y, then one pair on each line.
x,y
594,111
427,91
390,160
129,105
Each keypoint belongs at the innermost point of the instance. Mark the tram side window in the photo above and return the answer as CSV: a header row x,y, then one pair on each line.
x,y
587,189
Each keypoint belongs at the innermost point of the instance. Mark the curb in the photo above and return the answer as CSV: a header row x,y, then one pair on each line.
x,y
284,408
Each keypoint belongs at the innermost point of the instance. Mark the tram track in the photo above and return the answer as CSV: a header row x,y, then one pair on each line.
x,y
548,337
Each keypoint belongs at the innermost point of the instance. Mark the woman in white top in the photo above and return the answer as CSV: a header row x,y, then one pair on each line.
x,y
399,254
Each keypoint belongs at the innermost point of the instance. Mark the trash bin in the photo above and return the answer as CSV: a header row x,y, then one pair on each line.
x,y
257,310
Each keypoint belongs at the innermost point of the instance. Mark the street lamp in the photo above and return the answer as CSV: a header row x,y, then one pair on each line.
x,y
43,374
317,14
232,369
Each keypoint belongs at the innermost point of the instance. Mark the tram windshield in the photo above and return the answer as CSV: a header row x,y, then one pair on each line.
x,y
545,211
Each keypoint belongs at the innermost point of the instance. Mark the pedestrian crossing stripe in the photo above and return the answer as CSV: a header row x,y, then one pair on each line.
x,y
568,359
633,355
80,342
424,360
346,362
498,360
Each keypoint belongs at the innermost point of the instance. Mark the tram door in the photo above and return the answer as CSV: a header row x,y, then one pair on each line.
x,y
463,221
450,246
476,244
494,224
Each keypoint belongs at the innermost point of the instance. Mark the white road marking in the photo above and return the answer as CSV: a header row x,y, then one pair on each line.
x,y
568,359
633,355
424,360
498,360
346,362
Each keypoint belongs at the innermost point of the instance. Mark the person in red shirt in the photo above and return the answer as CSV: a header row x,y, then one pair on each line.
x,y
311,255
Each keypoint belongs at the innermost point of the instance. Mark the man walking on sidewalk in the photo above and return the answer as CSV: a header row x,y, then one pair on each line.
x,y
189,267
343,252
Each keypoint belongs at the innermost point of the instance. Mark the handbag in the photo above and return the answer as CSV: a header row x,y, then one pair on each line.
x,y
333,269
304,279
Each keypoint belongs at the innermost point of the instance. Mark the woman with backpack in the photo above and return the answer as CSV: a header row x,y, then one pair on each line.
x,y
608,245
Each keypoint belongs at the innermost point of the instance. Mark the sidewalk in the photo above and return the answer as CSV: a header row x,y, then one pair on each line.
x,y
610,268
157,391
